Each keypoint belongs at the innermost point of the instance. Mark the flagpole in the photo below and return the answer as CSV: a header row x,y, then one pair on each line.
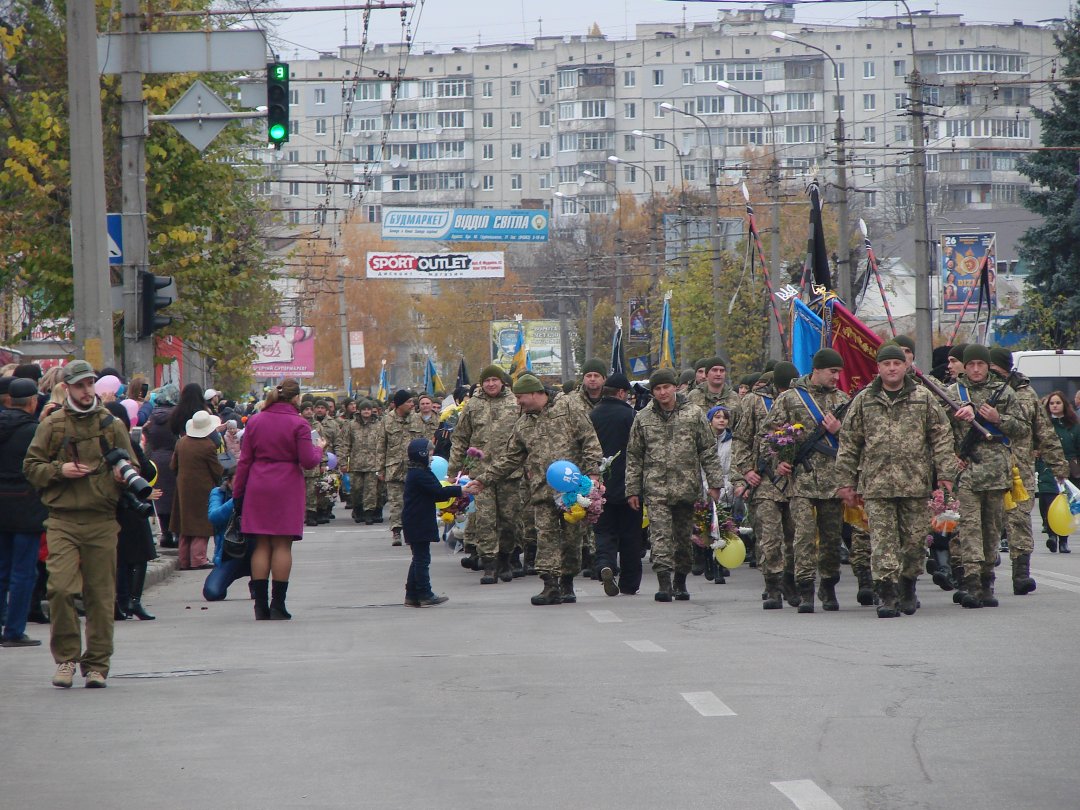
x,y
871,260
752,227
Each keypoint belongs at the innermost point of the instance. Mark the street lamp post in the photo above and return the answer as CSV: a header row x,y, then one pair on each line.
x,y
588,279
776,340
844,261
616,264
653,237
714,224
684,236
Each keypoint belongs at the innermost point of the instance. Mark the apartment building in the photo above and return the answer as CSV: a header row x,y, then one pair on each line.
x,y
508,125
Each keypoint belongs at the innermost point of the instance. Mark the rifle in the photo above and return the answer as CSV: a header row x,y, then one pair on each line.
x,y
935,388
816,443
979,431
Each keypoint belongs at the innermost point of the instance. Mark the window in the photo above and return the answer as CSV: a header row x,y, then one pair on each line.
x,y
294,97
803,133
320,156
320,126
487,89
800,101
451,119
292,156
869,134
487,120
658,110
710,105
629,111
294,189
712,72
899,67
371,213
838,70
869,101
367,124
629,78
567,79
597,141
902,200
629,142
515,151
568,141
515,120
933,162
515,182
293,218
404,121
594,109
488,151
403,182
659,172
838,103
488,182
658,143
747,72
870,199
294,126
543,87
515,88
868,69
544,119
980,63
745,104
347,125
688,76
658,78
566,110
453,88
899,101
320,95
745,136
901,133
869,167
545,150
630,174
369,91
689,172
320,189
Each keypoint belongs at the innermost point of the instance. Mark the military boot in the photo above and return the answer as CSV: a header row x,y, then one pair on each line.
x,y
467,560
678,588
986,591
789,589
909,603
774,599
587,571
517,567
369,517
489,577
502,567
888,609
530,559
566,586
827,593
971,590
551,595
958,579
806,595
1022,581
698,566
866,594
942,577
311,518
663,590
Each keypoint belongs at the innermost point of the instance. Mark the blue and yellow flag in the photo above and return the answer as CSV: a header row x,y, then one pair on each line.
x,y
667,337
520,363
432,381
382,393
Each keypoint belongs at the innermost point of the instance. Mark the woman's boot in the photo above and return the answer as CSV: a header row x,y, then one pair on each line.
x,y
260,590
277,601
138,580
122,608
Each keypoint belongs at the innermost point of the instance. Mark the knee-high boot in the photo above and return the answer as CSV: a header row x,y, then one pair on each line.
x,y
138,581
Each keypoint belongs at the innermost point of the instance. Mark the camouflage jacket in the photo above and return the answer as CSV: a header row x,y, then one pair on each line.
x,y
667,453
1042,439
431,426
746,447
486,424
820,481
330,430
358,444
705,399
993,468
316,471
580,400
895,448
392,443
558,432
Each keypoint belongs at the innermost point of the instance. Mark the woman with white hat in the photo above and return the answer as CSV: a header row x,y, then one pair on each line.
x,y
198,471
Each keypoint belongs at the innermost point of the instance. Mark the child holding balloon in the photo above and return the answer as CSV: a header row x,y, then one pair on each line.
x,y
418,526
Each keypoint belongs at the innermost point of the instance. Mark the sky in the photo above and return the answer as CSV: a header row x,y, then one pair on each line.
x,y
444,23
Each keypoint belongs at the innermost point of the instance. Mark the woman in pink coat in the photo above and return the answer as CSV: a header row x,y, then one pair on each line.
x,y
269,492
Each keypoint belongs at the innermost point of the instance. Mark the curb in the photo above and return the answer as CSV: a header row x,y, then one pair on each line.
x,y
162,568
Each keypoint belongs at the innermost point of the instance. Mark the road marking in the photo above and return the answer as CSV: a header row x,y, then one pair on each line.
x,y
1055,575
707,704
1052,578
644,646
806,795
604,616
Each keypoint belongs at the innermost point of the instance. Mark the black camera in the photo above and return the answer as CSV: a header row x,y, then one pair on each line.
x,y
135,483
129,503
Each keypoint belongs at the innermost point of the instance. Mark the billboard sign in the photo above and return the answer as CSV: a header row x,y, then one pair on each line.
x,y
285,351
543,339
466,224
401,265
962,255
356,350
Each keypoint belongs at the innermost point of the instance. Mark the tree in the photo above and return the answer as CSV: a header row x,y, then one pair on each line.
x,y
1051,313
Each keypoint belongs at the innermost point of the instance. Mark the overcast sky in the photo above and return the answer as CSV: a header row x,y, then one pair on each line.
x,y
444,23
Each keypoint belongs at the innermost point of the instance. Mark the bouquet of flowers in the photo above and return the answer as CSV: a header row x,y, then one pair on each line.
x,y
714,526
327,484
584,503
783,443
944,512
474,457
456,510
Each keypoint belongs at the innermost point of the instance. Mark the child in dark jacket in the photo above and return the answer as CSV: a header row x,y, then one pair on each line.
x,y
422,492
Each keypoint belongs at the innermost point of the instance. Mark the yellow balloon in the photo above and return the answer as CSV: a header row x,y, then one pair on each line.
x,y
731,555
1058,516
644,518
440,505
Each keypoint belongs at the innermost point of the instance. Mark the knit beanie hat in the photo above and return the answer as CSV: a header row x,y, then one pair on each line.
x,y
891,351
700,364
596,366
492,371
401,396
687,377
974,351
904,342
528,384
718,360
662,376
782,375
957,351
715,409
770,364
1002,358
828,358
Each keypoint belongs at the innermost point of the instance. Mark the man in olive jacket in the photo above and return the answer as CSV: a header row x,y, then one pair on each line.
x,y
66,464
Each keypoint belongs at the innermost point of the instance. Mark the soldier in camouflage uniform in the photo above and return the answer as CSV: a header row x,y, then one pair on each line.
x,y
547,430
311,477
486,423
1042,441
344,418
399,427
894,438
986,475
770,512
429,416
330,431
715,390
586,397
357,451
670,446
815,509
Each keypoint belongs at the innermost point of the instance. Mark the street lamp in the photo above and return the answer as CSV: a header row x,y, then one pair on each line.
x,y
684,236
776,341
714,223
653,237
844,261
588,286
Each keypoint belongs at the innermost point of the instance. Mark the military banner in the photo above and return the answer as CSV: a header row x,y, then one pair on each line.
x,y
857,345
963,256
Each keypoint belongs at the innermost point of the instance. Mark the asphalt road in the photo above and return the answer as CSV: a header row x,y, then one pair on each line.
x,y
488,702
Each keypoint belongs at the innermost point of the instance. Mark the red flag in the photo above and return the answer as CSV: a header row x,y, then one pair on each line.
x,y
857,345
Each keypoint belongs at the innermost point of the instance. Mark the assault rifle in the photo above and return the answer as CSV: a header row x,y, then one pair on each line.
x,y
935,388
978,430
817,443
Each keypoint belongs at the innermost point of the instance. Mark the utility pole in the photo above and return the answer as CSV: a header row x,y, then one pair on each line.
x,y
924,328
346,360
843,264
138,355
89,250
776,341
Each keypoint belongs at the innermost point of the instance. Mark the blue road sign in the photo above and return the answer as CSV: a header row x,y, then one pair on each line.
x,y
115,231
466,224
639,365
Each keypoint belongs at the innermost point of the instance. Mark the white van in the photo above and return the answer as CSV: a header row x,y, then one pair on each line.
x,y
1050,370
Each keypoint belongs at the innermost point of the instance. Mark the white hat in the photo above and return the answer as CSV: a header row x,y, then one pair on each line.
x,y
210,393
202,424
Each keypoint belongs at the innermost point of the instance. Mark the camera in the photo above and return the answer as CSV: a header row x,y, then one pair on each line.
x,y
135,483
130,503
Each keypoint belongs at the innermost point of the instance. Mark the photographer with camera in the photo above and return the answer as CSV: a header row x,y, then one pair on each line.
x,y
78,461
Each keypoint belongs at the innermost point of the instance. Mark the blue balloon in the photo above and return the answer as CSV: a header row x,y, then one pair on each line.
x,y
331,461
440,466
563,476
471,507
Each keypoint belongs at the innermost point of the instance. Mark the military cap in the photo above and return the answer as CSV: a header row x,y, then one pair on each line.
x,y
662,376
687,377
401,396
904,342
974,351
957,351
492,371
618,381
718,360
828,358
78,370
22,388
528,384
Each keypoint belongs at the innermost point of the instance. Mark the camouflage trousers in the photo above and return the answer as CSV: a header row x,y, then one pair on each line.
x,y
670,527
897,537
558,547
526,528
365,491
818,523
860,548
492,528
1018,529
311,495
395,493
774,534
981,517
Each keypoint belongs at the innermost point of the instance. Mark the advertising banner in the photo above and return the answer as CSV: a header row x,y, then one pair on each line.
x,y
466,224
543,340
170,350
962,255
356,350
639,319
285,351
435,265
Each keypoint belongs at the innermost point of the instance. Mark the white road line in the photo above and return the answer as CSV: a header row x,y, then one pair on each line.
x,y
806,795
1056,575
604,616
644,646
707,704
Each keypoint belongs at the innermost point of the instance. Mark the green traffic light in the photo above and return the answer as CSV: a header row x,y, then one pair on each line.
x,y
277,133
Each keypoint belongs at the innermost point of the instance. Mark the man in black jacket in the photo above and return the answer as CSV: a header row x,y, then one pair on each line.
x,y
22,515
618,532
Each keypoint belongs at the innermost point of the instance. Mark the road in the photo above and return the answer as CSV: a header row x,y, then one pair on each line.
x,y
489,702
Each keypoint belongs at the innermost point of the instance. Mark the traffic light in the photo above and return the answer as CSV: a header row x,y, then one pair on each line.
x,y
150,302
277,103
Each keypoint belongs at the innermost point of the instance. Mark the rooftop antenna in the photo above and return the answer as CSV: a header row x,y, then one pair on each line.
x,y
540,26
